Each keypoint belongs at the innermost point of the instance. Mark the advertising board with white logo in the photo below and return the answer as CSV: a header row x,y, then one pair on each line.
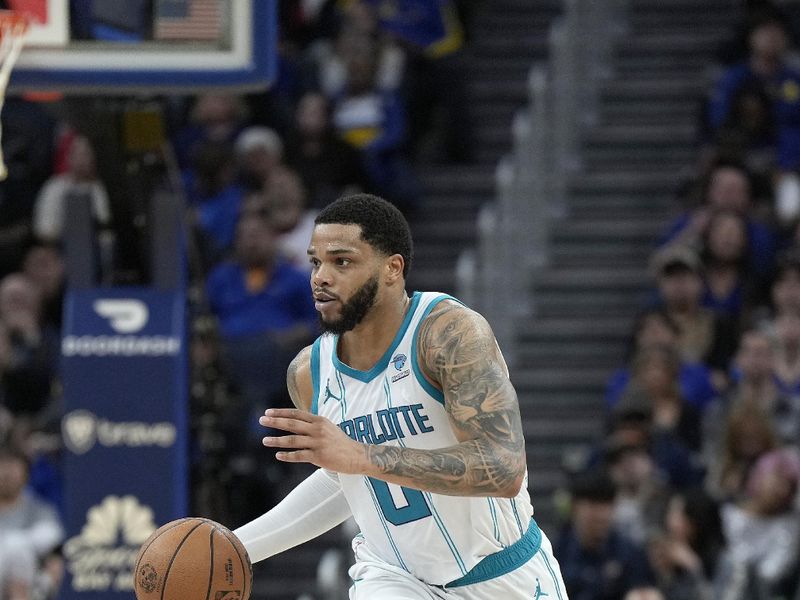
x,y
124,430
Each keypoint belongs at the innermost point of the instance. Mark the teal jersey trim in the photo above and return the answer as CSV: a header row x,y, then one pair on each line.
x,y
385,526
343,392
493,512
516,516
315,375
432,390
431,507
505,561
383,362
553,575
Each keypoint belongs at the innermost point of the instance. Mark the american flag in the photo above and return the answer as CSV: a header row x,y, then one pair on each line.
x,y
187,20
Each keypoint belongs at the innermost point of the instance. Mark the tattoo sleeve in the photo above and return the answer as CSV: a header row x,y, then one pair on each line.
x,y
458,351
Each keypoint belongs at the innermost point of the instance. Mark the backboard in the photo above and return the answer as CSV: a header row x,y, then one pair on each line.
x,y
146,46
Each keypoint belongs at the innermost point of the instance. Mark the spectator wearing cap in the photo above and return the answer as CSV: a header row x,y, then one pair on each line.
x,y
728,186
656,327
597,562
704,337
259,154
763,531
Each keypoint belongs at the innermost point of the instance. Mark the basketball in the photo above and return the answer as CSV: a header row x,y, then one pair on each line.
x,y
193,559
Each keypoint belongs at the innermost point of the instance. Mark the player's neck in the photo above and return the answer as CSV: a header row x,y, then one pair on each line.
x,y
366,343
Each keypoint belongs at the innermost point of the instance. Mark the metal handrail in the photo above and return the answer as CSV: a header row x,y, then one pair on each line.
x,y
531,183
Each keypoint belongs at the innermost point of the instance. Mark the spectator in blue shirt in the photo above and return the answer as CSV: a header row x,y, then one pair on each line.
x,y
728,187
766,65
655,327
256,293
265,311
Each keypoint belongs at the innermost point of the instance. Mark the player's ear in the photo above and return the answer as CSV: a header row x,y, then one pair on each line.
x,y
393,269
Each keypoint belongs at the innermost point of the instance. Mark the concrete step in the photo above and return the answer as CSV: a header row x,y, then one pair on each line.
x,y
669,43
561,379
587,280
592,231
530,45
672,159
655,89
661,63
575,329
464,228
565,353
630,203
601,304
458,180
649,136
679,108
623,182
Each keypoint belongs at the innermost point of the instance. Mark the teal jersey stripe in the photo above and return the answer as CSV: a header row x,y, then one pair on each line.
x,y
315,375
385,526
432,390
343,402
383,362
448,540
450,543
552,574
516,516
493,511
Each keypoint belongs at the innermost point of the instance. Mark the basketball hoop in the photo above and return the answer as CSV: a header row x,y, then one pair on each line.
x,y
13,27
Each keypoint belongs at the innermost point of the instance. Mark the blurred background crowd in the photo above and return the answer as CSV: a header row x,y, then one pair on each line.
x,y
692,492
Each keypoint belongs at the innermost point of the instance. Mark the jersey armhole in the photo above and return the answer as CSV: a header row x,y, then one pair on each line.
x,y
432,390
315,375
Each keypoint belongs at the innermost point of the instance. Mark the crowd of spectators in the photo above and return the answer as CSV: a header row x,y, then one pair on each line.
x,y
362,95
693,491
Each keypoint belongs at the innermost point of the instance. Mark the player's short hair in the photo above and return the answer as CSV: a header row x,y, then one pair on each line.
x,y
383,226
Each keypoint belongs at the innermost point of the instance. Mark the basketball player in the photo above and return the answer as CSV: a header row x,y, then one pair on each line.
x,y
405,406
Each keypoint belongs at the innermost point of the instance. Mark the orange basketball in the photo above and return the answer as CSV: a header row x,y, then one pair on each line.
x,y
193,559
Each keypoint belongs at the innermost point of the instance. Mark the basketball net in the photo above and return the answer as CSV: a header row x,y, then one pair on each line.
x,y
13,27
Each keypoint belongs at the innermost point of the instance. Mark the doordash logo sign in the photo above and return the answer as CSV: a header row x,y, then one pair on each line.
x,y
125,317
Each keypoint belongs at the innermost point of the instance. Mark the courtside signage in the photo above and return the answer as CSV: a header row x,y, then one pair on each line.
x,y
124,430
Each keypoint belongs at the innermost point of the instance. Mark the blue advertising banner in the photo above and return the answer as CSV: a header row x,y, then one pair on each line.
x,y
125,431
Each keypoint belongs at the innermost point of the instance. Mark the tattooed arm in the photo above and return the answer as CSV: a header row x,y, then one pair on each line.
x,y
458,353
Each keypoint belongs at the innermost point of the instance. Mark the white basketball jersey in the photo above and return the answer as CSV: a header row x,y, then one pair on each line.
x,y
436,538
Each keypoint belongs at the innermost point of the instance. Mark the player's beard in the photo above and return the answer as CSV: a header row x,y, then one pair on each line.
x,y
354,310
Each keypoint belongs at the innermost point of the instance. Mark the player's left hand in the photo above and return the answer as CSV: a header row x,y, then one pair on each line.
x,y
313,439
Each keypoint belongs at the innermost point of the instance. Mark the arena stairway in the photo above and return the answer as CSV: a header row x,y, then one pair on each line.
x,y
633,159
507,37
